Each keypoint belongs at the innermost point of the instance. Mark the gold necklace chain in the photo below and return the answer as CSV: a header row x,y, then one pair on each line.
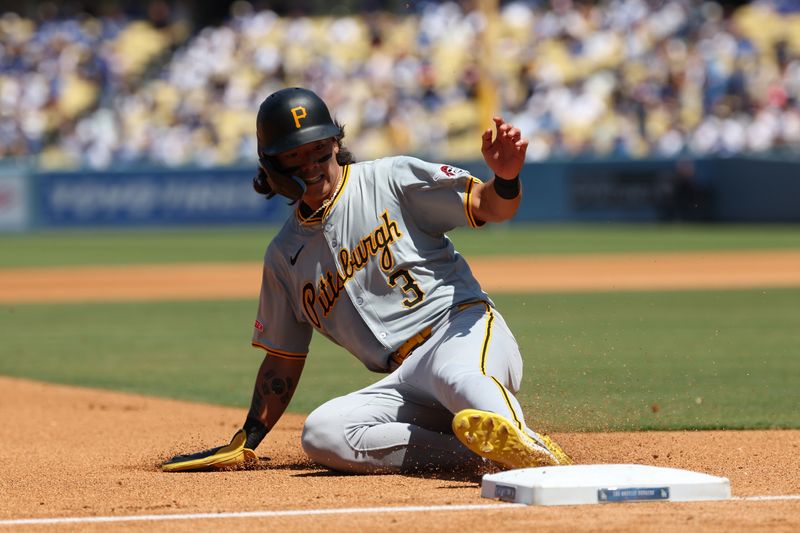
x,y
327,201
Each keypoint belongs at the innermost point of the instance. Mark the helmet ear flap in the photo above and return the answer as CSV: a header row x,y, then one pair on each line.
x,y
261,184
279,182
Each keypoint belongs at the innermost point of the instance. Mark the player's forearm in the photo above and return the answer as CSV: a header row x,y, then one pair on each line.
x,y
492,206
275,385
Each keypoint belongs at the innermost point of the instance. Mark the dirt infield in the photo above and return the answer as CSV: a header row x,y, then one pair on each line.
x,y
709,270
71,452
79,453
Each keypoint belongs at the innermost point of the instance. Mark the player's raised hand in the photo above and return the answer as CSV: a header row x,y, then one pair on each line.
x,y
505,154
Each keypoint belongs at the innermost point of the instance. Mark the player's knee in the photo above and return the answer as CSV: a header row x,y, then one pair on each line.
x,y
321,436
314,432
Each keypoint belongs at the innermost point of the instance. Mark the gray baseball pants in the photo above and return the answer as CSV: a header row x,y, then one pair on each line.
x,y
403,422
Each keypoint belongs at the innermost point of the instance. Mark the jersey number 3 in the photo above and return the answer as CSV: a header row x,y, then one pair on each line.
x,y
410,287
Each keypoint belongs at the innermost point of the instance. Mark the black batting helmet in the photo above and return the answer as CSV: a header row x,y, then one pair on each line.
x,y
290,118
287,119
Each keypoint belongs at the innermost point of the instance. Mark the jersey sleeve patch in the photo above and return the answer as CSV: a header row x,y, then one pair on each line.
x,y
449,172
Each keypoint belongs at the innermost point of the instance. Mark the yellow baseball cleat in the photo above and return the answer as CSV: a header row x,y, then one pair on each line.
x,y
496,438
223,457
555,449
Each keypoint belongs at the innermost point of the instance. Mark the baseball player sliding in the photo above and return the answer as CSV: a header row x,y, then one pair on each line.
x,y
365,261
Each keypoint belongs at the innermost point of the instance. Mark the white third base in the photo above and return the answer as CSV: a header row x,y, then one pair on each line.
x,y
585,484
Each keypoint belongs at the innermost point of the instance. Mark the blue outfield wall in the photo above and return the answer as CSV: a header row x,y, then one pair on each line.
x,y
151,197
736,189
746,189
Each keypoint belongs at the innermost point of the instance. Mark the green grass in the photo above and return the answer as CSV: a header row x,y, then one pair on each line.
x,y
248,244
134,246
603,361
614,238
656,360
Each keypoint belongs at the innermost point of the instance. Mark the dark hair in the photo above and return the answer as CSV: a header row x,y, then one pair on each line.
x,y
345,156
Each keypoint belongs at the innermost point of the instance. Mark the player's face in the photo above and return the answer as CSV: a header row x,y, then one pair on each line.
x,y
315,164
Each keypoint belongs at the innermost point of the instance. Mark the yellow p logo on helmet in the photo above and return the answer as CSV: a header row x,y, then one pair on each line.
x,y
298,113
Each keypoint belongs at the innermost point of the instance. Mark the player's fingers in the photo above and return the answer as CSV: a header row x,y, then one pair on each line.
x,y
502,126
486,139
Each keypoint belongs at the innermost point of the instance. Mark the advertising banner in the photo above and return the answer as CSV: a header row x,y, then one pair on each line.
x,y
166,197
14,205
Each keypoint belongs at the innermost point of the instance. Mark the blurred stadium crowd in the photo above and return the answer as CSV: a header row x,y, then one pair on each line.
x,y
620,78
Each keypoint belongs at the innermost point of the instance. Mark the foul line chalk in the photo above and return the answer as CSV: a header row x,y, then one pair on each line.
x,y
305,512
766,498
255,514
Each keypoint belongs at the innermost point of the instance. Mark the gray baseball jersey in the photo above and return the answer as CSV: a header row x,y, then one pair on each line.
x,y
375,268
372,271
